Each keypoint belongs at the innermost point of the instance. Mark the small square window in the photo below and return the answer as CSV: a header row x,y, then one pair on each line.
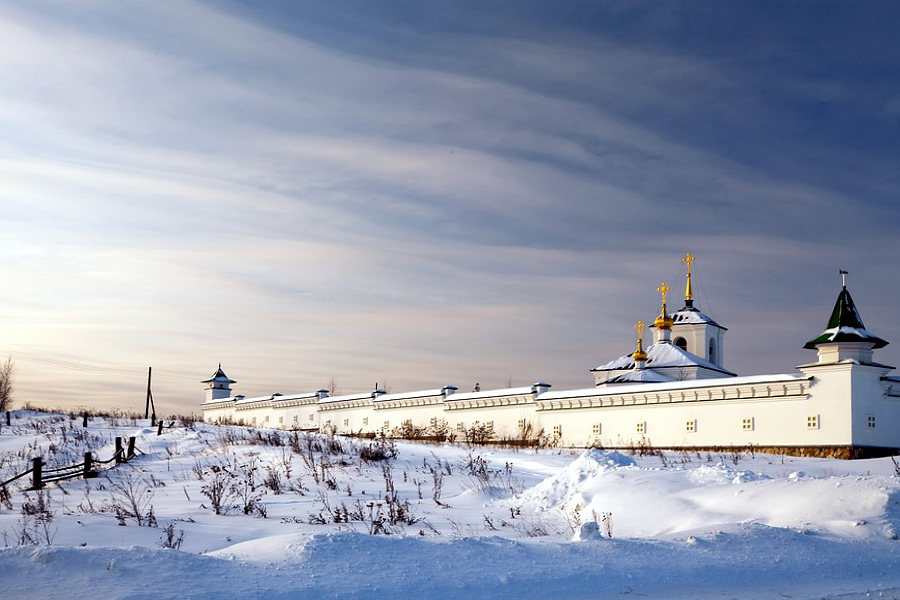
x,y
365,420
521,423
267,419
870,421
557,430
641,427
387,425
280,420
690,426
346,422
812,422
595,429
296,418
490,426
311,416
434,421
747,424
460,427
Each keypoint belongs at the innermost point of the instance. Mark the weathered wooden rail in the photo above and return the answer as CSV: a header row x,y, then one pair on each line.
x,y
85,469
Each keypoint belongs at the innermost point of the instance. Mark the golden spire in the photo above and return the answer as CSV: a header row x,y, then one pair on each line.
x,y
639,354
663,321
688,292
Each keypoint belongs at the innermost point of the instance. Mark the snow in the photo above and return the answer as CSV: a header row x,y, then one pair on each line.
x,y
507,523
692,317
659,355
516,391
651,388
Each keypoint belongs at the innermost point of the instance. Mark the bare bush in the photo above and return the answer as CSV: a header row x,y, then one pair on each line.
x,y
131,498
219,489
170,539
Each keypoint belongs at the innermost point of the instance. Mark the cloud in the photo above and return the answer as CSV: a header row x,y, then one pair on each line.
x,y
428,199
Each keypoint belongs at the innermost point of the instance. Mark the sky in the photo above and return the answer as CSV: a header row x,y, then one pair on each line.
x,y
416,194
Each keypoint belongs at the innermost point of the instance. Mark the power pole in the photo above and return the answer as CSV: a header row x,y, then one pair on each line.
x,y
149,402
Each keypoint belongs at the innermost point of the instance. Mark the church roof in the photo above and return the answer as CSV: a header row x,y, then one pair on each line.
x,y
219,375
640,376
690,315
661,355
845,325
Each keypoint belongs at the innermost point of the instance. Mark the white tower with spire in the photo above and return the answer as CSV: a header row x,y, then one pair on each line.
x,y
694,331
218,387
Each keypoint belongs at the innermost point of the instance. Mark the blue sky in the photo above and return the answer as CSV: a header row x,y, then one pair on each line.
x,y
418,193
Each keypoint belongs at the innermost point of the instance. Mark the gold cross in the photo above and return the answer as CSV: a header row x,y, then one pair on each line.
x,y
663,289
689,259
640,327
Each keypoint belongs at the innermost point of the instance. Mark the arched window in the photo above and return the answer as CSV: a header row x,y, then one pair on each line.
x,y
712,351
681,343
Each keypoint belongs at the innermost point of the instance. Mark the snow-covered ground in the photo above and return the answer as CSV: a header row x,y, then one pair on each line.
x,y
312,516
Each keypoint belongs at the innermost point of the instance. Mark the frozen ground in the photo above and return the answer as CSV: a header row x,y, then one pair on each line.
x,y
434,521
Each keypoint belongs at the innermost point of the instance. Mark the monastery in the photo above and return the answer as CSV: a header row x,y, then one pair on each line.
x,y
675,394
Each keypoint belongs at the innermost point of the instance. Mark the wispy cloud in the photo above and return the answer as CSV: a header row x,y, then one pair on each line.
x,y
336,191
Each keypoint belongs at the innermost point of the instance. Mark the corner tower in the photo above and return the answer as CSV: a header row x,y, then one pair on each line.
x,y
845,337
695,332
218,387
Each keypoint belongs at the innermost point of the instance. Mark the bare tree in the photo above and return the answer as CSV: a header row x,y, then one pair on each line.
x,y
7,373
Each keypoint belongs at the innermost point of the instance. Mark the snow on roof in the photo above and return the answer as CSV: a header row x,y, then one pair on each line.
x,y
640,375
219,375
280,398
516,391
347,397
660,355
419,394
672,385
845,325
692,316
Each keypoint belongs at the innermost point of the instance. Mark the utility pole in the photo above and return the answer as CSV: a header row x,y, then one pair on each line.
x,y
149,402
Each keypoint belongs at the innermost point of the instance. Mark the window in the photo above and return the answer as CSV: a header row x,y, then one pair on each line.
x,y
712,351
557,430
460,426
870,421
596,429
690,426
434,422
346,422
296,418
281,420
812,422
681,343
641,427
311,416
254,420
387,425
747,424
521,423
267,419
365,420
489,426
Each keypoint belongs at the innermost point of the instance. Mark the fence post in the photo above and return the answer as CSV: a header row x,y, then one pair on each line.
x,y
88,465
36,464
130,454
84,419
159,431
118,450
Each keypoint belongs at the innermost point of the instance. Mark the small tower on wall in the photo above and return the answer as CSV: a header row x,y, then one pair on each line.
x,y
694,331
218,387
845,338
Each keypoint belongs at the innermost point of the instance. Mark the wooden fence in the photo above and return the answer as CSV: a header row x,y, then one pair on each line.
x,y
85,469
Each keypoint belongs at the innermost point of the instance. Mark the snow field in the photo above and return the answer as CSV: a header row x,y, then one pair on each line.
x,y
449,521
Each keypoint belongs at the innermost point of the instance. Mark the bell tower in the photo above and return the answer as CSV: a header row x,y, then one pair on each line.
x,y
694,331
